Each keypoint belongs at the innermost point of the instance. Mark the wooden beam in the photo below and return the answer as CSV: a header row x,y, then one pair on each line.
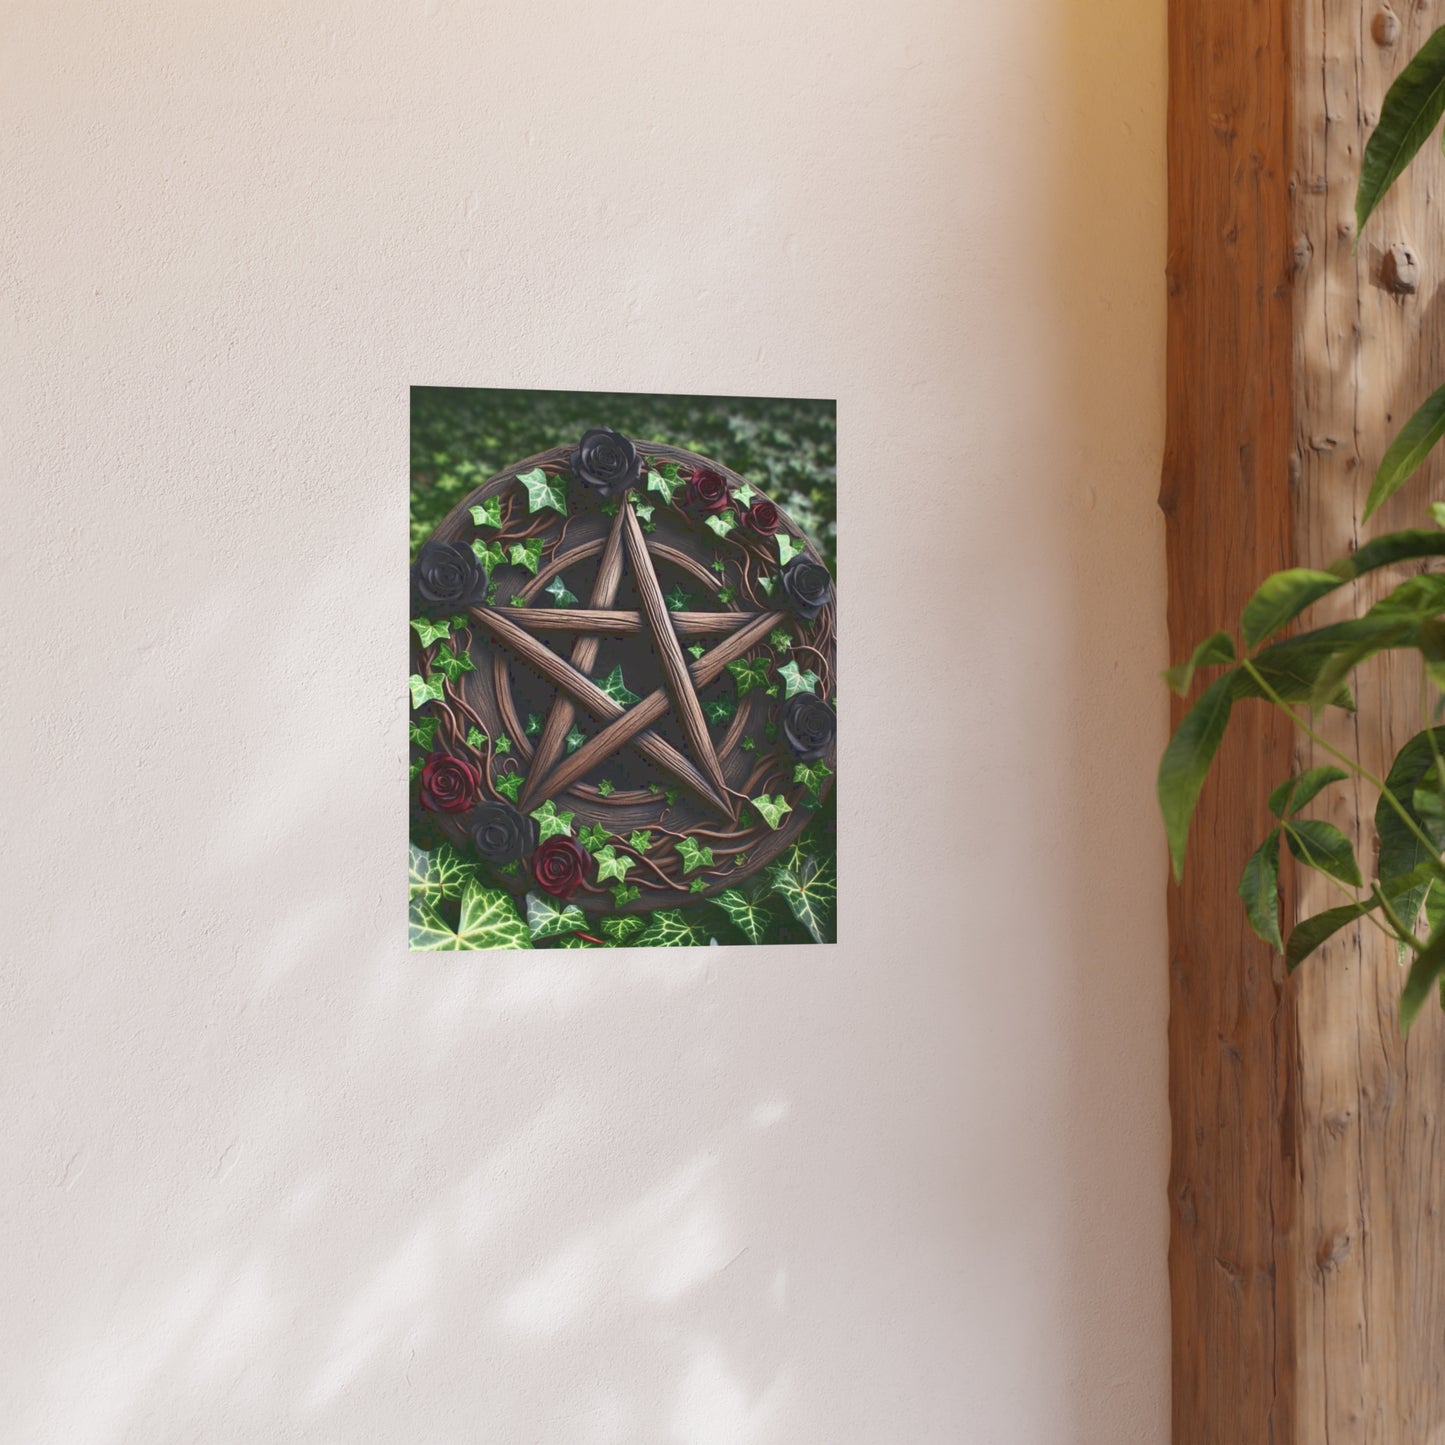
x,y
1307,1257
608,623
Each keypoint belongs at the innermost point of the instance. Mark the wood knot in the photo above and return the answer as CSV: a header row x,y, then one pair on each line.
x,y
1385,27
1334,1249
1400,270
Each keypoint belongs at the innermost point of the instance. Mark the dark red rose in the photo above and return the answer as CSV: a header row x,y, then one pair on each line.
x,y
707,491
449,785
763,517
559,866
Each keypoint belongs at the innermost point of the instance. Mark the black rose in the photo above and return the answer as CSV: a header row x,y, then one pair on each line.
x,y
808,586
501,834
607,462
809,725
447,577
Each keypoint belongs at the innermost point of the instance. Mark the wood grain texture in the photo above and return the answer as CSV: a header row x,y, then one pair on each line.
x,y
607,623
586,692
1307,1258
669,653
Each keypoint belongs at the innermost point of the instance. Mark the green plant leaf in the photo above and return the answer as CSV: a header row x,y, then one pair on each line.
x,y
551,823
606,788
1186,761
618,930
1406,546
767,582
516,600
489,919
625,893
641,840
572,941
663,484
693,855
490,554
677,599
643,510
451,663
1281,598
1413,106
1425,973
1218,648
748,744
503,745
423,732
533,725
744,494
750,918
1414,442
812,776
543,491
797,681
442,873
1322,846
1401,852
719,710
509,785
424,691
429,631
698,885
488,513
772,809
1298,792
1259,887
788,548
617,689
722,522
1307,935
592,838
527,554
476,739
546,919
781,639
696,650
668,929
612,864
415,768
749,673
556,589
810,889
575,738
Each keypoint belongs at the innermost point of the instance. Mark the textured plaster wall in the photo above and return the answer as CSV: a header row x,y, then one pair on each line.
x,y
266,1178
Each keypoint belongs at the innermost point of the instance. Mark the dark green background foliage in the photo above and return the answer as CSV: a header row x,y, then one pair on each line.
x,y
785,447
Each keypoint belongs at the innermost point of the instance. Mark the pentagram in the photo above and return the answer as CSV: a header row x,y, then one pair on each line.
x,y
552,772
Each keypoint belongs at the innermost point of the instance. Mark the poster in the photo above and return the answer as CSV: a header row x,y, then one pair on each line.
x,y
623,670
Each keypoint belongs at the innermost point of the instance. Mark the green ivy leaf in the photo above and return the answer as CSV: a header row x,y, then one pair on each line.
x,y
749,673
424,691
430,631
744,494
611,507
748,744
503,744
767,582
533,725
490,554
451,663
1186,761
719,564
698,885
561,597
605,788
668,929
625,893
415,769
772,809
1259,888
617,689
677,599
489,919
750,918
671,796
575,738
476,739
1298,792
641,840
720,709
1322,846
551,823
1413,106
619,930
722,522
797,681
516,600
593,837
612,864
781,639
788,548
643,511
663,484
488,513
546,919
493,588
810,889
696,650
527,554
509,785
693,855
812,776
726,594
442,873
423,732
543,491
